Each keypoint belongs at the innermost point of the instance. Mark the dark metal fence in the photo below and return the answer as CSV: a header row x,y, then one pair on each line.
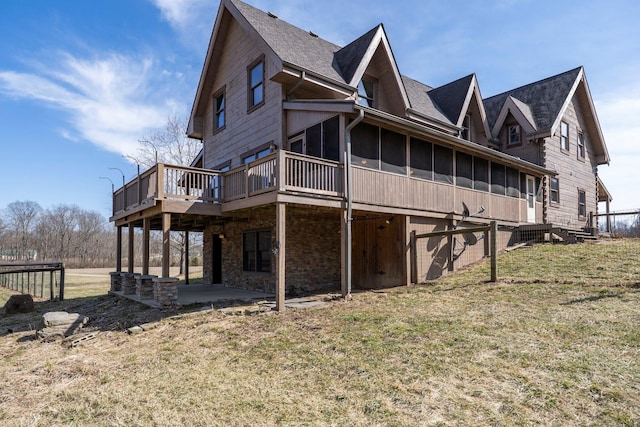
x,y
40,280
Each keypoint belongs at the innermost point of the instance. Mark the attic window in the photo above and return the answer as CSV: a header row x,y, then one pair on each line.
x,y
581,151
514,135
366,92
564,136
466,125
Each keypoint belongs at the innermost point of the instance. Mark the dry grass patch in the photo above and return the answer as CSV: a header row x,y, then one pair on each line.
x,y
557,351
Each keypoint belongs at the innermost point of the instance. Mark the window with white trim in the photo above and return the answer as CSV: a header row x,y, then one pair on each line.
x,y
564,136
581,148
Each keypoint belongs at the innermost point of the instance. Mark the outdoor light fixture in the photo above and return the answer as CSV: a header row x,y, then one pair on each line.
x,y
221,236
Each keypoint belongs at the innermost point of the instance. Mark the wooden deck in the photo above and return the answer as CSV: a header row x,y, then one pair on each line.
x,y
295,178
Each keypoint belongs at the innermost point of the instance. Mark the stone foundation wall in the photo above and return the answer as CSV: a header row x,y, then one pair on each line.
x,y
312,251
144,286
116,281
128,283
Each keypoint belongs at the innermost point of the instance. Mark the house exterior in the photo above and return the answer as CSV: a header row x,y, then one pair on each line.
x,y
319,162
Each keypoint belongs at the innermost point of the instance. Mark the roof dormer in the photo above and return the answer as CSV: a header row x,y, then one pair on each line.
x,y
368,65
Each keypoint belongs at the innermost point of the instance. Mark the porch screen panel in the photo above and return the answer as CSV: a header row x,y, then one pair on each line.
x,y
464,170
513,182
421,159
331,138
364,146
498,179
480,174
314,140
523,186
393,150
443,164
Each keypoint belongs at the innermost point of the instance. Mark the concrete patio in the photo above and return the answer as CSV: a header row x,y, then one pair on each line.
x,y
219,295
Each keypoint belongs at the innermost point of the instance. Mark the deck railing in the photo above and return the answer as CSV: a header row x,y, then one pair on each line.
x,y
285,171
282,170
168,182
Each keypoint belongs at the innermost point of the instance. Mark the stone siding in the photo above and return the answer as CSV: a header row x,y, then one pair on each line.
x,y
312,251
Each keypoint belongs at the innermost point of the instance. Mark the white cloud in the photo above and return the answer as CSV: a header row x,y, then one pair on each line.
x,y
191,19
112,101
618,114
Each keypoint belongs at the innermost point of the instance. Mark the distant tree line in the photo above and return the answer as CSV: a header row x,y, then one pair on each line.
x,y
65,233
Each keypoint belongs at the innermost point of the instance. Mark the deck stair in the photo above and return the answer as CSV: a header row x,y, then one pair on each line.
x,y
555,234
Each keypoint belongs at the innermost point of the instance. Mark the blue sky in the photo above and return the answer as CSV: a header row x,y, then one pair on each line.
x,y
82,81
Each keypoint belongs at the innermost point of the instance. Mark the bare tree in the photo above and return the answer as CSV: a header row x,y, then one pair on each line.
x,y
22,216
170,145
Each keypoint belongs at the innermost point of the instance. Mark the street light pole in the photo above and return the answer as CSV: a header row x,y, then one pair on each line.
x,y
113,190
122,173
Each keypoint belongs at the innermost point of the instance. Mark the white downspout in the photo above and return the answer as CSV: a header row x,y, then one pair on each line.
x,y
349,192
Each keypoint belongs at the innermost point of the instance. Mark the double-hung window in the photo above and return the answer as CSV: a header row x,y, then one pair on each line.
x,y
255,85
219,113
514,135
581,150
554,187
256,251
582,203
564,136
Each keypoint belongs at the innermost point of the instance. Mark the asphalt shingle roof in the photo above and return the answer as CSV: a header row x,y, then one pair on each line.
x,y
450,97
544,98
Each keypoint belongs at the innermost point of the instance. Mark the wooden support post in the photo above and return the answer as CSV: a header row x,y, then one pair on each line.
x,y
414,257
280,251
343,254
166,243
61,282
130,249
119,248
408,274
186,257
146,227
494,250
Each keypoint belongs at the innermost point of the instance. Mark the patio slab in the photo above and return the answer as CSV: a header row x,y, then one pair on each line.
x,y
206,294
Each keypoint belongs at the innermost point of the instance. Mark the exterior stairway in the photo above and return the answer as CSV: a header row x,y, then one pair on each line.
x,y
555,234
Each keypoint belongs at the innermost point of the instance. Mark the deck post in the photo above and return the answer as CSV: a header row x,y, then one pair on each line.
x,y
146,226
280,252
343,254
119,248
130,249
413,250
494,250
166,243
186,257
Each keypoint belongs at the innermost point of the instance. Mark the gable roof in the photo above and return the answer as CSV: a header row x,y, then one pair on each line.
x,y
545,99
543,104
291,44
347,60
451,97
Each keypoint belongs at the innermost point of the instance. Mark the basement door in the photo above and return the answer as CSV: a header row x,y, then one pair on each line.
x,y
378,256
531,199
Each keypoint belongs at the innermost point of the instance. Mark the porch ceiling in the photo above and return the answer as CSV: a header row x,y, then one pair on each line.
x,y
180,222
